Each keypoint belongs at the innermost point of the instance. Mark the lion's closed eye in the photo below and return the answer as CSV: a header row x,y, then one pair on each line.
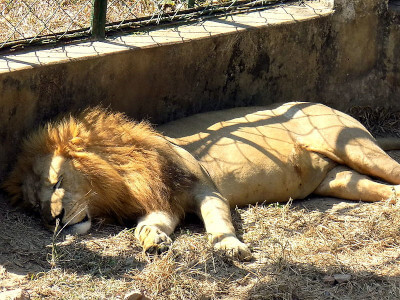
x,y
58,183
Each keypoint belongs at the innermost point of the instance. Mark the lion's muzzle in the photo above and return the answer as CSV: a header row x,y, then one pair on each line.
x,y
81,227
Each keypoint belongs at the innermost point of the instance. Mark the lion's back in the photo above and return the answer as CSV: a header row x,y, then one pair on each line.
x,y
249,152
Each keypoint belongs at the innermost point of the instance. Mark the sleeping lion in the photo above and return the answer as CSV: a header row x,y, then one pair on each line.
x,y
102,165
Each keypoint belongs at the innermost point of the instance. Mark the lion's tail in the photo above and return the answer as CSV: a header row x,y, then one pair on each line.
x,y
389,143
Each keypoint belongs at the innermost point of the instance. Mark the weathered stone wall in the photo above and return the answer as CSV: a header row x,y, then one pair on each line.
x,y
346,59
390,61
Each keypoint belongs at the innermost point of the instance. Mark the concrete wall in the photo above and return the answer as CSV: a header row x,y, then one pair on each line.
x,y
347,58
390,59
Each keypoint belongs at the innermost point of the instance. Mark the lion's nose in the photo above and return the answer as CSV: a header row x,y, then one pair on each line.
x,y
60,216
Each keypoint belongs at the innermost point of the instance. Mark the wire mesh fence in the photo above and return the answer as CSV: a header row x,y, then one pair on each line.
x,y
24,22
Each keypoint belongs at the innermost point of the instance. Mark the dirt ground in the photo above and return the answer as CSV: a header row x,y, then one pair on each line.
x,y
318,248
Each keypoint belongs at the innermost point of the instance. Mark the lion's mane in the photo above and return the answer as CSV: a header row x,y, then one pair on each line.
x,y
127,164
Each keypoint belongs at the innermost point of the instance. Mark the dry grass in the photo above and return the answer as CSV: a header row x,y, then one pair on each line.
x,y
379,120
297,247
294,246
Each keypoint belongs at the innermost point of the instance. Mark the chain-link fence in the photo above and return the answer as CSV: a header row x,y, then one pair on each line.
x,y
24,22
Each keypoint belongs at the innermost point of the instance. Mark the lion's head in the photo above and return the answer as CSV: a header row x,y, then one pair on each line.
x,y
99,164
54,188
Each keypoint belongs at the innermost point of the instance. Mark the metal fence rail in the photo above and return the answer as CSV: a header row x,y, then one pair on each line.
x,y
27,22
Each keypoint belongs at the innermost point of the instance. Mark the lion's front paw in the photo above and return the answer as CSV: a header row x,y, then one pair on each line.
x,y
233,248
152,239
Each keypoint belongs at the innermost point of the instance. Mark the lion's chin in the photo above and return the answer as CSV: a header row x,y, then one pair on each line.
x,y
80,228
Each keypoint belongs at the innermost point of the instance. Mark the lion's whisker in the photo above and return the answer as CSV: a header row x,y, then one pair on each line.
x,y
79,203
69,221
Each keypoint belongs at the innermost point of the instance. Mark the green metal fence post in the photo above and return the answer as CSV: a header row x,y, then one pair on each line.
x,y
190,3
99,11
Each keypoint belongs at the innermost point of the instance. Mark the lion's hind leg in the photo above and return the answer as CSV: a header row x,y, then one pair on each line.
x,y
153,231
345,183
366,157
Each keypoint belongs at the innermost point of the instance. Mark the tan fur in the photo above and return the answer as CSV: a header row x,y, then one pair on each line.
x,y
101,164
